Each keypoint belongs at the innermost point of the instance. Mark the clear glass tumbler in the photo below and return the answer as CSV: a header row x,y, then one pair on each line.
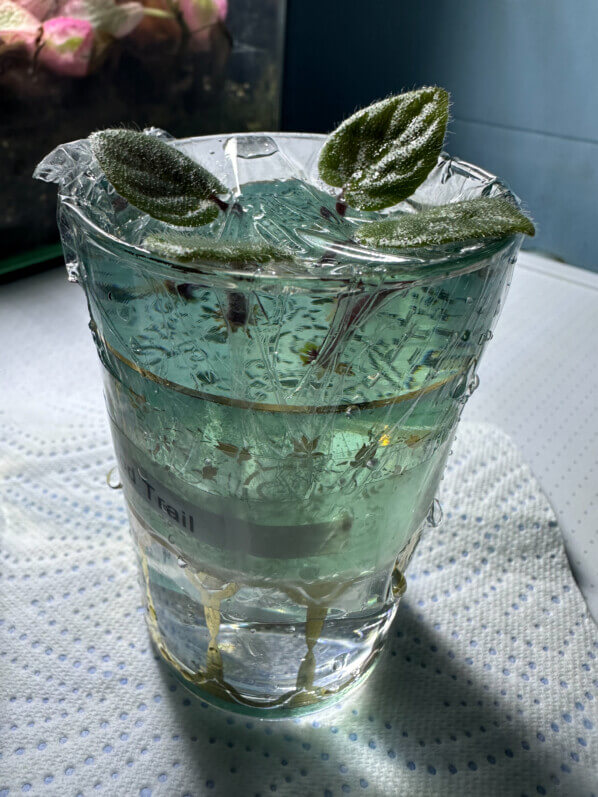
x,y
280,431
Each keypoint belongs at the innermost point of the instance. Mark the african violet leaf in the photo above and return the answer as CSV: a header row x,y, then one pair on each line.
x,y
156,178
484,217
190,250
381,154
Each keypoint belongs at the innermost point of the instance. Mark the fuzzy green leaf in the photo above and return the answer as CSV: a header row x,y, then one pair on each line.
x,y
485,217
381,154
156,178
233,253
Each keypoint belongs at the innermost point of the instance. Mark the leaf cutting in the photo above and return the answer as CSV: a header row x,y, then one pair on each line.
x,y
189,249
483,217
158,179
381,154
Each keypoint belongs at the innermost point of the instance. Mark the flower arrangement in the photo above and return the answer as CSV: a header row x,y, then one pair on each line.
x,y
71,66
73,37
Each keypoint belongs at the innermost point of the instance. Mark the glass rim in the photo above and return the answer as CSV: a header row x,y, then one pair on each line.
x,y
377,266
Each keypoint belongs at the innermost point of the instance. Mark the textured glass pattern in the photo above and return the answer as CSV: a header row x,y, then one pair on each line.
x,y
280,431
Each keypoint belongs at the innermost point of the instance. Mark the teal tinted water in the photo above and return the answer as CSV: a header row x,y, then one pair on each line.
x,y
280,447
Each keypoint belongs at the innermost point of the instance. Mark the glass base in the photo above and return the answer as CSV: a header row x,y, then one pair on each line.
x,y
263,649
218,698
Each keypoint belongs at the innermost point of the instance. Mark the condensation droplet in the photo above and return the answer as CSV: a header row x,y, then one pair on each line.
x,y
472,380
111,481
434,517
473,385
249,147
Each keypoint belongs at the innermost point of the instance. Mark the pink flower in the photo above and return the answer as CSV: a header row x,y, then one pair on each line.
x,y
200,15
67,46
18,27
222,6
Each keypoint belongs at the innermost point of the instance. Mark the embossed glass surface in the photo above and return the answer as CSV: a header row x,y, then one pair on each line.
x,y
280,431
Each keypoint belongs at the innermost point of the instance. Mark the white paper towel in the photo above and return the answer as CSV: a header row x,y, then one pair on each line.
x,y
488,685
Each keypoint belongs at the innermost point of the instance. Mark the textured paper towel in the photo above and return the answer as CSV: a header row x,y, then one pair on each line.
x,y
488,684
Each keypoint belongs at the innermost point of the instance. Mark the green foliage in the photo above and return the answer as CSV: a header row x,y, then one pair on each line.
x,y
484,217
381,154
156,178
198,250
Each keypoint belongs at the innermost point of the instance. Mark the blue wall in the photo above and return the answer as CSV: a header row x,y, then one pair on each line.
x,y
523,75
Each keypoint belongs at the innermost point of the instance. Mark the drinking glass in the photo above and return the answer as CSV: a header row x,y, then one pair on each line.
x,y
280,430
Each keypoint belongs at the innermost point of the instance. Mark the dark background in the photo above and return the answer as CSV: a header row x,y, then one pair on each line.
x,y
522,75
